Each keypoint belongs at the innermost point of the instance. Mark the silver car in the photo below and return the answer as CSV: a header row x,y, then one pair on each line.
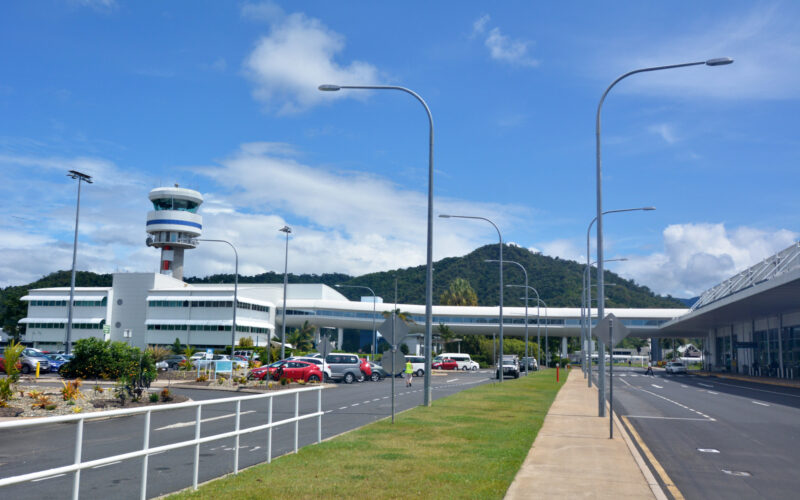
x,y
675,367
30,357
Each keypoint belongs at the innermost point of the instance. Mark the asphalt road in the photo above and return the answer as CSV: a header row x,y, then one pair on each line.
x,y
346,407
715,438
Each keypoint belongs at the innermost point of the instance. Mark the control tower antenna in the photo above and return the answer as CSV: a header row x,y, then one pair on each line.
x,y
173,225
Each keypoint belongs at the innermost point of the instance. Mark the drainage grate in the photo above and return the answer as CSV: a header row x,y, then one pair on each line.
x,y
739,473
707,450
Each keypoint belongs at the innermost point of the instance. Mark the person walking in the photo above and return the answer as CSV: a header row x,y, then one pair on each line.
x,y
409,373
650,369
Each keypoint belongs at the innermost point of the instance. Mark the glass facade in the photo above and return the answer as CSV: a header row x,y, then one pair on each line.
x,y
769,348
208,328
63,303
173,204
206,303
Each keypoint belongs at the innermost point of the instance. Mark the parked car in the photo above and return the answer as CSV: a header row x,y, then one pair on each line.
x,y
417,364
675,367
30,357
207,362
444,364
3,363
56,361
326,371
464,360
298,370
510,367
344,367
162,365
378,373
174,360
265,371
247,354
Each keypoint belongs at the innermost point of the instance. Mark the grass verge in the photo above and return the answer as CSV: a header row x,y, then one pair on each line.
x,y
468,445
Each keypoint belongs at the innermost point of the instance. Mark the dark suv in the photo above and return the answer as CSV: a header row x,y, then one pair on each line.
x,y
345,367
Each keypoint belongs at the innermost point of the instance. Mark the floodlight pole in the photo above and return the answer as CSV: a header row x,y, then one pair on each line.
x,y
287,230
80,177
235,290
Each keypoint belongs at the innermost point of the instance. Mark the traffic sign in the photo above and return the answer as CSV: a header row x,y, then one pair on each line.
x,y
603,330
393,333
106,328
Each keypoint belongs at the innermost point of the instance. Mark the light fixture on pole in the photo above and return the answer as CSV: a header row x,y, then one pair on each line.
x,y
499,360
235,289
429,258
80,177
287,230
374,301
526,306
588,338
721,61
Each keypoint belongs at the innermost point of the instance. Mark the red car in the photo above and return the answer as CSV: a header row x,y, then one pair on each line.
x,y
292,370
445,364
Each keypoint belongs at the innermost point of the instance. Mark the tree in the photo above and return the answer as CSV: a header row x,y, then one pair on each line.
x,y
460,293
246,342
302,338
176,346
405,317
446,335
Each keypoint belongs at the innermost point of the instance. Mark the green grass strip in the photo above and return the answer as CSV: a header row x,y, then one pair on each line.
x,y
467,445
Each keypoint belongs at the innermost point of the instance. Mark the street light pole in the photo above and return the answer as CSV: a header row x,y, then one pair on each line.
x,y
587,304
80,178
500,238
588,284
600,279
374,332
235,288
526,306
538,321
429,257
287,230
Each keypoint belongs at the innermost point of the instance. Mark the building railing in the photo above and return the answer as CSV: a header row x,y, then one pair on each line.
x,y
146,450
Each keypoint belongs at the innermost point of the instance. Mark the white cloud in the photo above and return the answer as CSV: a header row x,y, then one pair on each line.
x,y
352,222
264,11
764,42
501,47
699,256
561,248
297,56
665,131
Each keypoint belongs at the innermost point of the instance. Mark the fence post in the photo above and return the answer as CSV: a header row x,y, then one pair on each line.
x,y
319,419
76,484
196,447
236,448
269,431
296,422
145,458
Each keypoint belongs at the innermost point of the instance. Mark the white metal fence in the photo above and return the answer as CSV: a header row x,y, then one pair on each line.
x,y
146,450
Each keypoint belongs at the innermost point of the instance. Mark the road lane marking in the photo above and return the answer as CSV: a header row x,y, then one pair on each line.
x,y
377,399
671,401
453,380
657,386
674,491
760,390
366,402
343,408
707,450
685,386
739,473
760,403
46,478
712,392
704,385
190,423
106,465
669,418
354,404
255,448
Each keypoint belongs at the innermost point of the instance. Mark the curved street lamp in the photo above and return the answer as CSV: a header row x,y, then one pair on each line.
x,y
287,230
720,61
235,289
429,260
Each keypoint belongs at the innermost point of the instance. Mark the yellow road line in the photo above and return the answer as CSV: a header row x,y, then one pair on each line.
x,y
673,490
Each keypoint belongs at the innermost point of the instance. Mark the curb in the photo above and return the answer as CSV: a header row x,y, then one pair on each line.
x,y
755,380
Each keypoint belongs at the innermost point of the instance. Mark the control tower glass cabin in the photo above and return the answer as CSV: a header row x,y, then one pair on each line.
x,y
173,224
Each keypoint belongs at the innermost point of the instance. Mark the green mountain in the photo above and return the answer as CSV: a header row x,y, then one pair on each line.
x,y
558,282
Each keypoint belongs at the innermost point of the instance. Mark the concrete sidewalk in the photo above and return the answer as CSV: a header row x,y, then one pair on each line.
x,y
573,457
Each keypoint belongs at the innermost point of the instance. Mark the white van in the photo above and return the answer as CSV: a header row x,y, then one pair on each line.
x,y
464,360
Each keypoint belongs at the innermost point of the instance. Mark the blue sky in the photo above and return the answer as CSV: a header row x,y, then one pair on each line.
x,y
221,97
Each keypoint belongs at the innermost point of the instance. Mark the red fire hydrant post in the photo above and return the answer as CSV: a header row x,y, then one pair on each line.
x,y
557,364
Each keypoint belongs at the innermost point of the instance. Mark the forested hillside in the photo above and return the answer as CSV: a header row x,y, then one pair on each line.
x,y
557,281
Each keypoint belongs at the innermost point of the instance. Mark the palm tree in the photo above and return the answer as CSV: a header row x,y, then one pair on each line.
x,y
405,317
460,293
301,338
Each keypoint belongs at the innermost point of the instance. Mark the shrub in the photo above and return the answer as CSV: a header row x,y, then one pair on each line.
x,y
42,400
285,381
71,390
221,380
12,353
50,407
6,392
202,378
154,397
95,358
97,389
165,395
77,409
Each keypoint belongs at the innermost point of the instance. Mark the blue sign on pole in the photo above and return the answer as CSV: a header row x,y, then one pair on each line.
x,y
224,366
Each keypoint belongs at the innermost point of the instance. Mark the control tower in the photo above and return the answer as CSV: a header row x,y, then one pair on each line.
x,y
173,224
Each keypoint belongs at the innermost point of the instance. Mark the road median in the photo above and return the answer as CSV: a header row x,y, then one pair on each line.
x,y
468,445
